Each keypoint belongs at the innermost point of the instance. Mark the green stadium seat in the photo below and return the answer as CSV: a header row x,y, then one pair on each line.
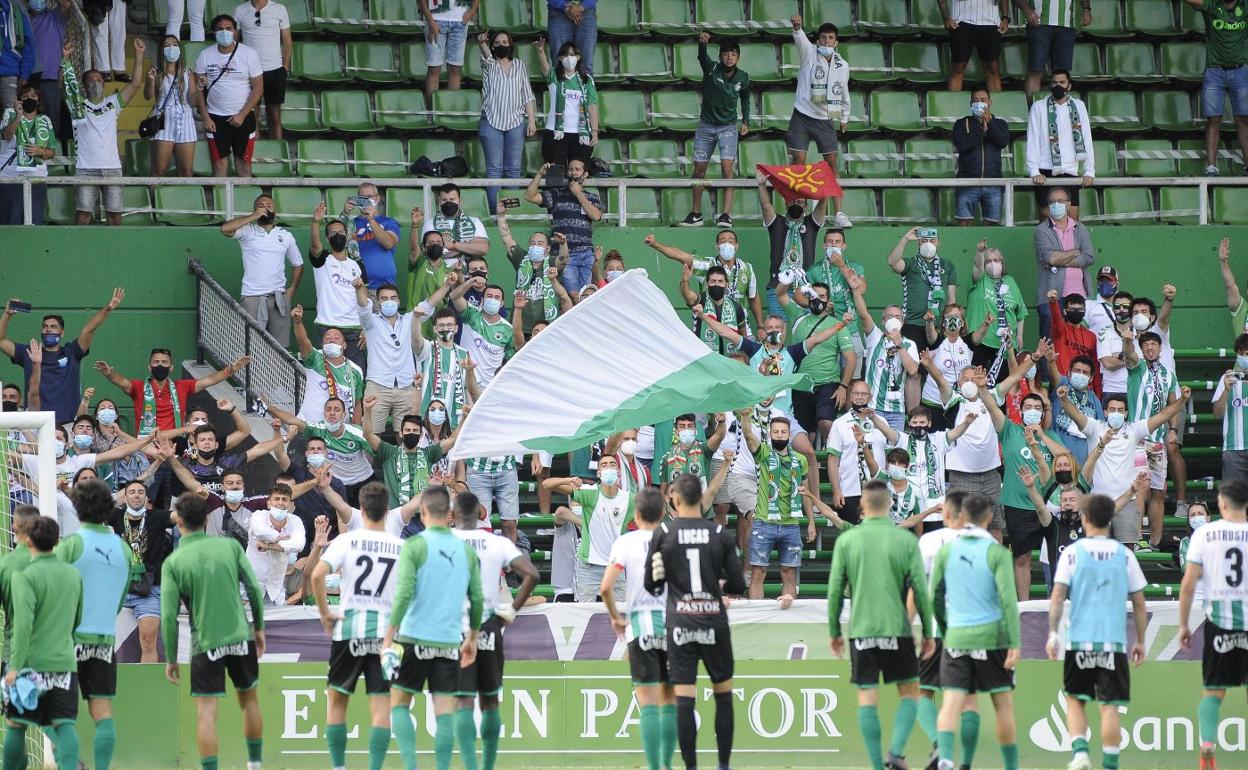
x,y
896,111
244,196
336,198
345,17
644,62
401,200
859,205
654,158
471,71
674,110
300,113
1180,205
685,66
674,204
618,19
300,18
752,152
381,158
372,62
1230,206
1014,61
941,167
350,111
744,211
214,8
158,16
322,157
1088,65
860,121
201,164
60,209
643,206
412,61
1132,62
1010,106
531,156
663,17
908,205
401,17
759,60
945,107
319,62
866,61
1191,20
856,165
772,16
605,70
295,204
402,109
1106,158
1169,110
137,158
914,62
191,49
271,158
177,205
1129,206
1113,110
1183,61
435,149
1106,21
721,17
474,154
1151,17
1149,166
777,109
1024,206
623,111
926,16
882,17
1090,205
946,206
456,110
511,15
1195,165
838,12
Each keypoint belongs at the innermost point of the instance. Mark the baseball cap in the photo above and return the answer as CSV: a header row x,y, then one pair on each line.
x,y
1107,272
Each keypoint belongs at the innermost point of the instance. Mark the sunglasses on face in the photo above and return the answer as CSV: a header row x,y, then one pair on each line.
x,y
1122,307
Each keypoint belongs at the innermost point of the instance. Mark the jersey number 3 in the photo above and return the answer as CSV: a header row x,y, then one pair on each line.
x,y
366,563
1235,557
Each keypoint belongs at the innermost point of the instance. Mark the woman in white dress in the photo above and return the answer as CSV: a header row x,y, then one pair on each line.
x,y
169,86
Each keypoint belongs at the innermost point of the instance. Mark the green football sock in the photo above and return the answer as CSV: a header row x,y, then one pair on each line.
x,y
667,729
903,725
404,736
14,746
444,741
927,717
104,743
1009,755
66,745
466,736
378,743
970,736
491,725
336,739
208,763
255,748
869,725
1208,715
1079,746
650,737
1111,757
944,745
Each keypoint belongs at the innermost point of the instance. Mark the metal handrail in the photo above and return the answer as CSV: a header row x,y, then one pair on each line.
x,y
428,186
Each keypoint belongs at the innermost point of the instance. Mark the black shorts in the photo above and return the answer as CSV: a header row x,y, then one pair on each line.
x,y
97,672
916,333
226,140
1022,526
712,646
1225,659
983,38
57,705
1042,192
349,658
850,512
274,87
647,660
929,670
890,657
430,666
1104,677
485,675
975,671
208,670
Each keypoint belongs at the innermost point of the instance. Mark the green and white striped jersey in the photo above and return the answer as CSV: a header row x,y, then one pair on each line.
x,y
1148,390
1235,419
367,561
1057,13
1221,549
647,613
885,375
499,464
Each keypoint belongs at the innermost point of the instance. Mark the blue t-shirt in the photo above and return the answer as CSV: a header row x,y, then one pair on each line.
x,y
59,389
569,218
378,262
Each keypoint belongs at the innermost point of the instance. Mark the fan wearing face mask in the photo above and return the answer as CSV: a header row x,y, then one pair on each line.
x,y
830,365
334,270
949,349
994,297
1059,142
72,455
160,402
974,460
266,296
573,211
573,118
928,280
275,538
792,234
906,510
1112,345
1198,515
606,513
834,269
739,284
690,452
448,371
328,372
463,235
1079,381
145,528
1151,386
1064,253
1230,405
925,451
1071,338
890,358
539,265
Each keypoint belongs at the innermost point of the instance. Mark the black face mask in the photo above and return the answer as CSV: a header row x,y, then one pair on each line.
x,y
817,306
449,208
267,219
411,440
716,292
205,457
1064,477
919,433
501,51
795,211
1069,518
478,274
1073,316
1058,91
30,105
10,406
779,444
434,252
159,372
338,241
1122,316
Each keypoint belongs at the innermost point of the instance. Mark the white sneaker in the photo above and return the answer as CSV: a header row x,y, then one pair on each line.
x,y
1211,170
1081,762
842,221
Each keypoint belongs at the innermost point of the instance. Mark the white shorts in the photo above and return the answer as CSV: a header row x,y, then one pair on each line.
x,y
1157,463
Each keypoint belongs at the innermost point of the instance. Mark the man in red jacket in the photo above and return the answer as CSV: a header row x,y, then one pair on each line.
x,y
1070,337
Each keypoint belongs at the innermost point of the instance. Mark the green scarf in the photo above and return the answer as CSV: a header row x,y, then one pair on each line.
x,y
534,283
458,228
727,316
1076,132
449,388
403,462
905,503
561,85
773,492
933,490
147,424
73,91
37,132
792,256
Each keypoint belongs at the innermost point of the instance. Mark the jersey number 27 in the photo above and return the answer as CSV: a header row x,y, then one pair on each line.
x,y
366,563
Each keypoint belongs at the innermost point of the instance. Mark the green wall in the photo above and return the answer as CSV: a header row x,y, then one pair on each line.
x,y
71,271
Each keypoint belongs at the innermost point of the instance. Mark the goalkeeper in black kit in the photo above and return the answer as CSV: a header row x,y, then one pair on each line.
x,y
696,559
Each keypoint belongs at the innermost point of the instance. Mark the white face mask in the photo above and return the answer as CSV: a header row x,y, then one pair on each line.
x,y
613,274
727,250
686,436
833,251
1140,322
106,416
892,325
537,253
135,513
993,269
1115,420
1079,380
896,472
569,62
332,350
927,249
969,390
389,307
277,514
233,496
316,460
628,447
333,582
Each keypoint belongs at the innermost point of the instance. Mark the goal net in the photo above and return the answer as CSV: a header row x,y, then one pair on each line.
x,y
28,441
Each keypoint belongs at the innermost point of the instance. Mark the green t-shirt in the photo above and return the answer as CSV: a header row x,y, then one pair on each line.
x,y
925,286
1239,319
423,279
778,500
983,300
1226,33
878,564
406,474
498,343
1016,454
822,363
47,607
839,294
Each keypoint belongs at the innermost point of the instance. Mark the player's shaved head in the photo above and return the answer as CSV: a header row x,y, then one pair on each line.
x,y
467,509
876,499
649,505
977,510
435,503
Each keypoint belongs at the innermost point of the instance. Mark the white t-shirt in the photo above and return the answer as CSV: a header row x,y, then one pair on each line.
x,y
1221,549
1116,469
645,443
605,523
1098,547
629,553
229,94
394,521
1109,345
978,450
448,10
95,134
263,33
270,566
952,358
841,440
368,561
938,444
263,253
930,544
335,296
65,468
496,553
1099,315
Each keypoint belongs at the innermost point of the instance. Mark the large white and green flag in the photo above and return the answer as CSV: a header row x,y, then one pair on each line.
x,y
621,359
